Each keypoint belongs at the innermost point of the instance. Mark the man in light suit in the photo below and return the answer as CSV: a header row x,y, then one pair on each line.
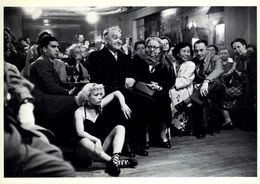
x,y
209,90
112,68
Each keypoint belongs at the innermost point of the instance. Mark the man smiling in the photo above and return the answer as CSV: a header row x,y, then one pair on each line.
x,y
112,68
209,91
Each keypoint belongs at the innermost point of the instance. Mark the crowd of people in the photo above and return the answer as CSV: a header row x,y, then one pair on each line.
x,y
133,96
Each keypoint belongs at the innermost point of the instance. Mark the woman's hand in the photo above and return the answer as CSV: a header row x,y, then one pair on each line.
x,y
98,147
126,111
154,86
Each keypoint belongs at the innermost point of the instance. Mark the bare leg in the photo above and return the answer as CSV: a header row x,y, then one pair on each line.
x,y
116,137
147,138
226,116
86,149
163,132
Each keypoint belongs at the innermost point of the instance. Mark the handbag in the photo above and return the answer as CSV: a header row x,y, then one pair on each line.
x,y
179,118
144,88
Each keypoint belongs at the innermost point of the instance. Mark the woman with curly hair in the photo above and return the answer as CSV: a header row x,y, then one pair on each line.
x,y
90,123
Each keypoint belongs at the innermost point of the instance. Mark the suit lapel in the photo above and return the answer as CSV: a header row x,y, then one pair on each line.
x,y
109,55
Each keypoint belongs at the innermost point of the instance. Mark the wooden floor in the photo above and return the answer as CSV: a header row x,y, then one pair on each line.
x,y
230,153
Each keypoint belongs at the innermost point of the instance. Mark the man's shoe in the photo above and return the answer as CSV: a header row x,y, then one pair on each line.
x,y
146,145
127,151
200,136
139,151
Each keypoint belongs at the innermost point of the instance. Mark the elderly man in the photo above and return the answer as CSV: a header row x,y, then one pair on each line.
x,y
209,91
112,68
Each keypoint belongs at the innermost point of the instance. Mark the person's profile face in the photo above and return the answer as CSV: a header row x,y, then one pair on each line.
x,y
52,50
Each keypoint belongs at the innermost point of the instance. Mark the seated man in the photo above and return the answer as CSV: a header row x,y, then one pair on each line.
x,y
27,152
208,89
43,74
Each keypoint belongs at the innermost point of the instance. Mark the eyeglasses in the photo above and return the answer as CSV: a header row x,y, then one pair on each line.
x,y
150,47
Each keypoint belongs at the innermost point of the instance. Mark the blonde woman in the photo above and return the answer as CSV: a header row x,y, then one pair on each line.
x,y
89,123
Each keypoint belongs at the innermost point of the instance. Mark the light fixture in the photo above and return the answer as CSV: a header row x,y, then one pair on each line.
x,y
33,11
92,17
168,12
46,21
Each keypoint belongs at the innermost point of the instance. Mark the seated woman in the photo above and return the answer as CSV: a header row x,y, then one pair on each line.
x,y
184,72
90,127
157,72
246,68
232,90
75,60
213,50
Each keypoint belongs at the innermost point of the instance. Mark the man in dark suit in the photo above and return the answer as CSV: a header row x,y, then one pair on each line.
x,y
209,90
43,74
112,68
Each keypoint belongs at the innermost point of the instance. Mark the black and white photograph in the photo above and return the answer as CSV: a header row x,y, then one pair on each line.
x,y
129,92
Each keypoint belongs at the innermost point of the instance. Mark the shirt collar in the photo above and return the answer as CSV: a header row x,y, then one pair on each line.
x,y
113,53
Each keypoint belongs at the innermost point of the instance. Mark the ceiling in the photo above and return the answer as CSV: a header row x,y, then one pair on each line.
x,y
68,12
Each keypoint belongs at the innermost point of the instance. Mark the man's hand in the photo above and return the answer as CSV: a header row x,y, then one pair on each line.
x,y
26,116
129,83
204,89
73,91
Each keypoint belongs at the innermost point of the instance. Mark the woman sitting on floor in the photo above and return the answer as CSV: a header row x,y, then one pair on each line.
x,y
90,125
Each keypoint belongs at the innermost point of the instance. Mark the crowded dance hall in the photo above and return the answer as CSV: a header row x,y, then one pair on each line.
x,y
130,91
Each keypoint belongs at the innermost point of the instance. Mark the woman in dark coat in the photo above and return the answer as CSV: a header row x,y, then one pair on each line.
x,y
156,70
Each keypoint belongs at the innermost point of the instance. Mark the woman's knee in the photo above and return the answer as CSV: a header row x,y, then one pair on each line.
x,y
119,129
86,143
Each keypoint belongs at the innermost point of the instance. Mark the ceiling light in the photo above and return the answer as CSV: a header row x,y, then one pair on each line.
x,y
92,17
34,12
168,12
46,21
